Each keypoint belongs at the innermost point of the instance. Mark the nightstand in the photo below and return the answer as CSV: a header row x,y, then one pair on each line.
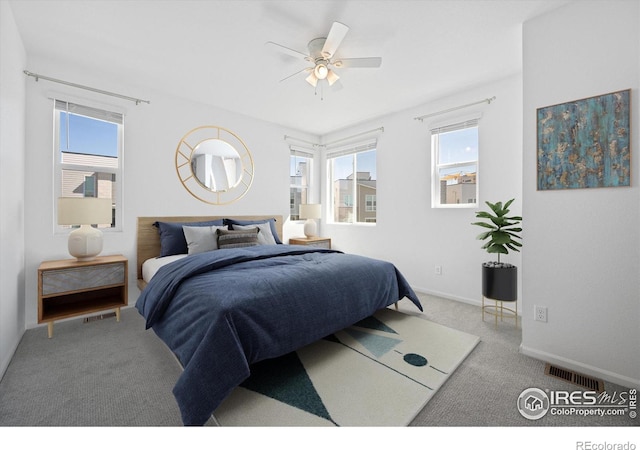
x,y
68,287
312,241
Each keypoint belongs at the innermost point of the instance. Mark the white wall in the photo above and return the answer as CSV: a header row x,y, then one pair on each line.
x,y
152,187
582,246
408,231
12,202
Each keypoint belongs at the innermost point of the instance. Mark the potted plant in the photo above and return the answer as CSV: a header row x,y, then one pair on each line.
x,y
499,280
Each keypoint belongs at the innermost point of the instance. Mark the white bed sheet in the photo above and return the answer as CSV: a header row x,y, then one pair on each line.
x,y
151,266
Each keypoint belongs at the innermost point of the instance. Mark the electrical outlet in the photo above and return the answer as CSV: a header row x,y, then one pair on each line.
x,y
438,270
540,313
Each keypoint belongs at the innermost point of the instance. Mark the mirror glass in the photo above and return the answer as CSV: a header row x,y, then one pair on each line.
x,y
216,165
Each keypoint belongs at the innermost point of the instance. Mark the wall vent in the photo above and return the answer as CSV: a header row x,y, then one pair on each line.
x,y
99,317
585,381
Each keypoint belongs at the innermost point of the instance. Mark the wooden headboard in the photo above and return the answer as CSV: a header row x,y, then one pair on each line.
x,y
148,238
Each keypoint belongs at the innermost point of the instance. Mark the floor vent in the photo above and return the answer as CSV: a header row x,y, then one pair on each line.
x,y
99,317
585,381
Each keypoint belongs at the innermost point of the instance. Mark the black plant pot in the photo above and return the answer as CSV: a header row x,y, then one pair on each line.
x,y
500,281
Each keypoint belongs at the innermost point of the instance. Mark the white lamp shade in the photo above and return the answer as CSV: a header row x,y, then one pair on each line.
x,y
332,77
85,243
312,79
310,211
321,71
84,210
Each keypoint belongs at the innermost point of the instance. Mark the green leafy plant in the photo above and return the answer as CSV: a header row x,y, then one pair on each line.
x,y
503,230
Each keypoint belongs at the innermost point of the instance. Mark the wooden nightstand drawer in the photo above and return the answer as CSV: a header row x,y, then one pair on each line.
x,y
82,278
68,288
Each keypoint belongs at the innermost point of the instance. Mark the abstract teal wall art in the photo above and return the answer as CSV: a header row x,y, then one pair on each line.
x,y
585,143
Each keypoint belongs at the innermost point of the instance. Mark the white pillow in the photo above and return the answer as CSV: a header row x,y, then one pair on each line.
x,y
202,239
265,237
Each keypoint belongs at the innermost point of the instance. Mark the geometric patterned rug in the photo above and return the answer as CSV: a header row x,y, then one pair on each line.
x,y
379,372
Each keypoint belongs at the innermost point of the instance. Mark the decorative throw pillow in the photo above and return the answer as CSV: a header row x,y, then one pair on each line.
x,y
271,222
237,238
265,237
202,239
172,241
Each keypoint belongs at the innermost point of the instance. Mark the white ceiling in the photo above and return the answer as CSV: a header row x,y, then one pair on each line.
x,y
214,52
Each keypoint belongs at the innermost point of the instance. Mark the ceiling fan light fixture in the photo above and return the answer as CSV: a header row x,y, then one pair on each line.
x,y
312,79
321,71
332,77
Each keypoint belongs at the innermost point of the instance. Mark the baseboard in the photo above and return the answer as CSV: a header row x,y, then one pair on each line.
x,y
456,298
4,364
580,367
470,301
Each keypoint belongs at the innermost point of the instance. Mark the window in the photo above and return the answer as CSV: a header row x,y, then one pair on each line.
x,y
300,176
88,144
370,202
454,150
352,177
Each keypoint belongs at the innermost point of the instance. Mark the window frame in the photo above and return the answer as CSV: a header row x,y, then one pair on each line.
x,y
350,150
299,152
453,124
104,113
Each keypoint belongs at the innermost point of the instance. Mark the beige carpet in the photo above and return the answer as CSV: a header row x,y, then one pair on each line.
x,y
379,372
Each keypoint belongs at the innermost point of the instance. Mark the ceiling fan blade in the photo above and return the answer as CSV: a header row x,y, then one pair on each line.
x,y
334,39
286,50
306,69
372,62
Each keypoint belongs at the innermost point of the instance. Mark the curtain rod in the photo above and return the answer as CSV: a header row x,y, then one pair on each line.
x,y
486,100
314,144
323,146
381,130
79,86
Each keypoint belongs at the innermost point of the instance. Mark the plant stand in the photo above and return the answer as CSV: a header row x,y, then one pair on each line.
x,y
498,310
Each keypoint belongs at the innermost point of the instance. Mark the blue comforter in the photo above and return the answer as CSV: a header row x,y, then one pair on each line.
x,y
221,311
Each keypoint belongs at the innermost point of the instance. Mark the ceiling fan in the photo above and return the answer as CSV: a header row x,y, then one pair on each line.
x,y
322,55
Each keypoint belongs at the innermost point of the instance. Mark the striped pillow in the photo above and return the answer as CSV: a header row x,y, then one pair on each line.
x,y
237,238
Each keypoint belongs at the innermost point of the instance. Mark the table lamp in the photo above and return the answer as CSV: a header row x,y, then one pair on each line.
x,y
311,212
85,243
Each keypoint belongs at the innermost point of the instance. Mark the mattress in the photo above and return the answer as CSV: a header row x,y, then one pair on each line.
x,y
151,266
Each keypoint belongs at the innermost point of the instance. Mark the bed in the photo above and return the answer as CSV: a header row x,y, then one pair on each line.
x,y
222,306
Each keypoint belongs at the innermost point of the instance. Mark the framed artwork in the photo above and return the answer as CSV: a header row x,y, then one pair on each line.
x,y
585,143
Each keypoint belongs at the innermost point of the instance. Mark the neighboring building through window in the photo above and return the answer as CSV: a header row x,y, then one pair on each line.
x,y
352,177
454,150
300,170
88,161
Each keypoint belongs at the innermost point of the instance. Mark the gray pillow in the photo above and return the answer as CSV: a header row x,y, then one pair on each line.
x,y
202,239
237,238
265,237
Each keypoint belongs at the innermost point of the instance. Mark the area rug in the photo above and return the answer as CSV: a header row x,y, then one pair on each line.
x,y
380,372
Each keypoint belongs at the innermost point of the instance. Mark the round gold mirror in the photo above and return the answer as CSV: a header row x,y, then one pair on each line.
x,y
214,165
